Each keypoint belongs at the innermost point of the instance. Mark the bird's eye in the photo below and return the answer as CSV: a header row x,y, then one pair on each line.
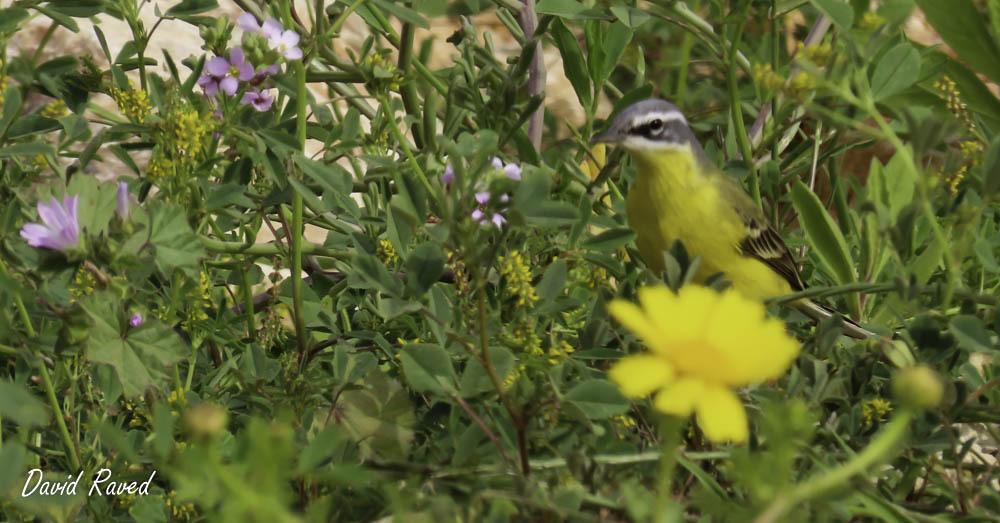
x,y
655,125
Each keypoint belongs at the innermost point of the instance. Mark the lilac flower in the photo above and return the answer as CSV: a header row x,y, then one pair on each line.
x,y
226,74
61,229
260,100
248,23
284,42
135,320
497,163
122,208
449,175
512,171
483,197
479,215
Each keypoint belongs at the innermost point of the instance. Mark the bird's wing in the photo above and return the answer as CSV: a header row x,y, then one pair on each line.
x,y
761,240
763,243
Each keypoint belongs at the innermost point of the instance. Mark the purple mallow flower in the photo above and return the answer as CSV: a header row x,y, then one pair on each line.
x,y
61,229
260,100
226,75
135,320
122,208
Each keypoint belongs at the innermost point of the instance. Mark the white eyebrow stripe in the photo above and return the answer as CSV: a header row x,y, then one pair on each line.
x,y
671,116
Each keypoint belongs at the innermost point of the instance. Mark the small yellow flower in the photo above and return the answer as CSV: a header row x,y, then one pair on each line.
x,y
387,252
702,344
518,274
592,168
871,21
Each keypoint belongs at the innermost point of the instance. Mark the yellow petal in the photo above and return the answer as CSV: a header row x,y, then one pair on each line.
x,y
634,320
721,416
641,374
680,397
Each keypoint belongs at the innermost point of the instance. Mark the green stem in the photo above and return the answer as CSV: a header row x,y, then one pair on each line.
x,y
670,439
401,140
301,97
879,450
408,91
269,249
736,108
50,391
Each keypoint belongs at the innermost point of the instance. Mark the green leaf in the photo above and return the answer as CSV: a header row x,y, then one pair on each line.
x,y
372,270
27,149
22,407
11,107
630,16
574,65
616,39
991,169
839,11
405,14
424,266
570,9
11,18
30,124
427,368
552,281
177,246
823,234
97,202
599,399
609,240
140,356
331,440
12,455
191,7
475,380
970,333
964,28
379,417
898,69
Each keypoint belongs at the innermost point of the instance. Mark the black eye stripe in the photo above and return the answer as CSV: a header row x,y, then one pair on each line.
x,y
650,129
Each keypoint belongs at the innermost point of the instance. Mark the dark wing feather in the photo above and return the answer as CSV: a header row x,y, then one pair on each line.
x,y
763,243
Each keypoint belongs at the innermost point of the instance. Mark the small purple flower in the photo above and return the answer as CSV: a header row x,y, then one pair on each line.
x,y
479,214
122,208
498,220
135,320
61,229
248,23
497,163
271,29
284,42
512,171
449,175
226,75
260,100
483,197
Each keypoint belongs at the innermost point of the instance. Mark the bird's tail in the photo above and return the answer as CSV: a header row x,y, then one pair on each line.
x,y
820,312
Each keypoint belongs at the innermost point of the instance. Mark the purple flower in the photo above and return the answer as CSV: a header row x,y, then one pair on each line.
x,y
122,208
479,214
497,163
225,75
135,320
449,175
283,41
483,197
248,23
61,229
498,220
512,171
260,100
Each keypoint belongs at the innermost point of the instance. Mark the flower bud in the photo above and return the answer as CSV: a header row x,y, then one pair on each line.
x,y
918,387
206,419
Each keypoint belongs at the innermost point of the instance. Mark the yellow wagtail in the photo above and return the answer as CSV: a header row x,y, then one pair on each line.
x,y
679,194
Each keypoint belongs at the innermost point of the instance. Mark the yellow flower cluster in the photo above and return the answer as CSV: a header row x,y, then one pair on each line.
x,y
84,284
188,129
819,54
160,166
382,73
953,102
871,21
132,102
386,252
764,75
200,300
798,87
560,352
518,275
184,511
55,110
623,424
953,179
875,409
702,344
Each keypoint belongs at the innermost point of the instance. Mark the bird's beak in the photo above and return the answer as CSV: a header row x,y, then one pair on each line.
x,y
609,136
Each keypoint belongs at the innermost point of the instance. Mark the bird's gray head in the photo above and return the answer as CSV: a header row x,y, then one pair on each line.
x,y
650,125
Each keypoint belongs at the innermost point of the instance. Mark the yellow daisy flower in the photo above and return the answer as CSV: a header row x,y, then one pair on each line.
x,y
702,345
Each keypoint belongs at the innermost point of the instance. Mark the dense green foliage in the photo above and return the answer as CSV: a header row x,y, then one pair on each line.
x,y
412,361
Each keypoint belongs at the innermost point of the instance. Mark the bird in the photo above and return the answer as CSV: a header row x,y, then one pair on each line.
x,y
679,194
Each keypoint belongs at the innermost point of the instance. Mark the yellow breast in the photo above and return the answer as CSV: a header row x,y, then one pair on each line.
x,y
672,200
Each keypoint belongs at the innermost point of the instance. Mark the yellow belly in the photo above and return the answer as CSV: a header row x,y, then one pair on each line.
x,y
678,203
